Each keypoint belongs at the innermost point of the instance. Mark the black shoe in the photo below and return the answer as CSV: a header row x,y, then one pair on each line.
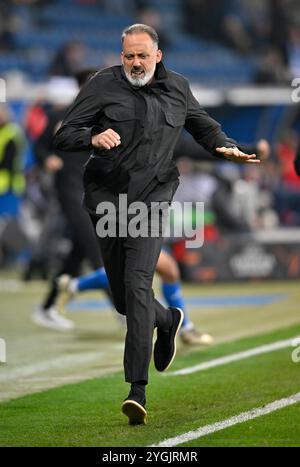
x,y
165,345
134,407
136,413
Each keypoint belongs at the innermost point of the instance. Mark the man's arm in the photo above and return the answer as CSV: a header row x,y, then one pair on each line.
x,y
207,132
80,129
80,122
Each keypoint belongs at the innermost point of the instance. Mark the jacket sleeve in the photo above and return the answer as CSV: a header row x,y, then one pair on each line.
x,y
80,122
205,130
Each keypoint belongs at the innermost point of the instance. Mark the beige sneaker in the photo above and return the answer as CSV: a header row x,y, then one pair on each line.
x,y
194,337
65,294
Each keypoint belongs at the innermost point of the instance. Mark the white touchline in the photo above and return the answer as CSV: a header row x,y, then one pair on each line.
x,y
233,357
243,417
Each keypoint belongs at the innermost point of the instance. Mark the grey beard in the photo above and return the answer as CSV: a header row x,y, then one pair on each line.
x,y
139,82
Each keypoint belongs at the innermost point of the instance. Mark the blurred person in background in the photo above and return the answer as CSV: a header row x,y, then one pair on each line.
x,y
152,17
168,271
40,218
12,181
69,59
279,12
217,21
12,185
254,201
6,26
287,188
271,69
251,201
293,49
248,205
233,195
247,26
67,172
38,197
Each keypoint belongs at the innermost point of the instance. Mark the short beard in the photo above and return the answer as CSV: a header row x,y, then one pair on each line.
x,y
139,82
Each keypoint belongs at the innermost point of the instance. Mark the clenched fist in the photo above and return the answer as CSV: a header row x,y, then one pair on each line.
x,y
108,139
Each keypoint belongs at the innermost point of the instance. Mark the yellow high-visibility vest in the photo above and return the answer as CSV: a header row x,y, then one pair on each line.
x,y
12,180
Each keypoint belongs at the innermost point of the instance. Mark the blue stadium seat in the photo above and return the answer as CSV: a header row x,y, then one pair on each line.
x,y
43,32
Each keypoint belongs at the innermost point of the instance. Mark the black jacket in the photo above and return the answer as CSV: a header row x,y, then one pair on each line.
x,y
149,120
68,180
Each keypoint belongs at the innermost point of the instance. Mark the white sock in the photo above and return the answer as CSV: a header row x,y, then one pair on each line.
x,y
73,287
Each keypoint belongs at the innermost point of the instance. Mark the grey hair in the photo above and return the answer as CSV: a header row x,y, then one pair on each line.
x,y
138,28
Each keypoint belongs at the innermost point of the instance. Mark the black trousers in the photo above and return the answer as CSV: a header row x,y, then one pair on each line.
x,y
130,264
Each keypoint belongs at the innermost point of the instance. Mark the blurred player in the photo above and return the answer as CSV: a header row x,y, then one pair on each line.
x,y
168,271
67,172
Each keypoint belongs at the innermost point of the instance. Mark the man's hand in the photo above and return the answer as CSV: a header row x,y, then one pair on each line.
x,y
108,139
235,155
53,163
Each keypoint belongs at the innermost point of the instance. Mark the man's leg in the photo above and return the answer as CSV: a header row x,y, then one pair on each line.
x,y
84,245
142,310
130,264
168,270
47,314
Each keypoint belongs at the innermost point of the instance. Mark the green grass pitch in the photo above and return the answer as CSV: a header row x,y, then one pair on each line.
x,y
66,389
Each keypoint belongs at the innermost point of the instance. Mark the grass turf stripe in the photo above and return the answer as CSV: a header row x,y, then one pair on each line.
x,y
241,418
64,361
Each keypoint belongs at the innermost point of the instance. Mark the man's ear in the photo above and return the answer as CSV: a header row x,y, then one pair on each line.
x,y
122,57
158,55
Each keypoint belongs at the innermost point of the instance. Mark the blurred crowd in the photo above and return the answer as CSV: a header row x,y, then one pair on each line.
x,y
237,200
265,32
267,29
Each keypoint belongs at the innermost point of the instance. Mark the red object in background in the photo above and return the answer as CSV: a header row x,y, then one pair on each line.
x,y
286,156
211,235
35,121
178,250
